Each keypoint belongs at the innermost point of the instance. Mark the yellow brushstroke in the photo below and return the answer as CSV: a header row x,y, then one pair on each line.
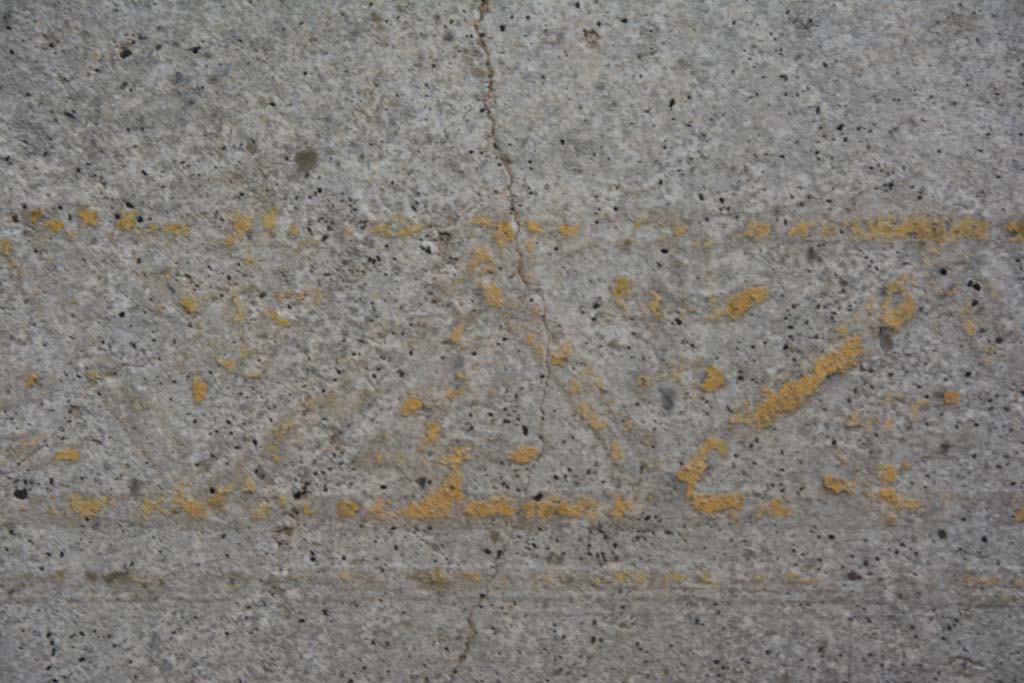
x,y
791,395
742,301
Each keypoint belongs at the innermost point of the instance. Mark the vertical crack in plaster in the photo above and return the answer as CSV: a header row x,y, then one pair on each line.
x,y
489,107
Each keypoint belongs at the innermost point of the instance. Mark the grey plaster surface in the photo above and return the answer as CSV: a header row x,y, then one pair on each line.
x,y
550,341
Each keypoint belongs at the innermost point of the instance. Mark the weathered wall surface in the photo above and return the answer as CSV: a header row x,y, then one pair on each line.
x,y
533,341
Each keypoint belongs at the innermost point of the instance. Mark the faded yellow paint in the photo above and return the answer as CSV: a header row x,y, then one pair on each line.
x,y
713,380
615,451
495,506
149,506
621,289
925,229
347,508
241,225
86,506
800,229
557,506
524,454
681,230
66,455
199,388
713,503
457,332
756,230
504,235
54,224
441,502
776,507
219,496
410,405
620,507
791,395
189,303
480,261
742,301
1016,230
226,363
837,485
88,217
31,379
951,397
896,316
560,354
249,485
534,227
888,494
967,320
179,229
276,317
887,473
492,294
190,506
569,230
976,580
126,221
270,218
692,471
654,305
1018,516
431,433
590,416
